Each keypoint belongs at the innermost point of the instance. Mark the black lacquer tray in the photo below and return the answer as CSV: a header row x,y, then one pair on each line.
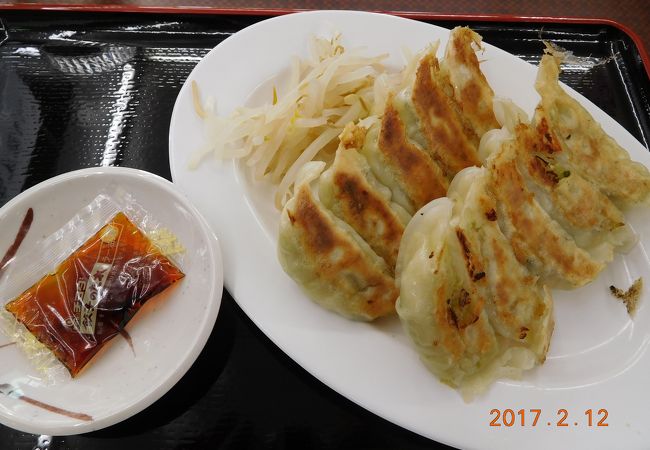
x,y
86,88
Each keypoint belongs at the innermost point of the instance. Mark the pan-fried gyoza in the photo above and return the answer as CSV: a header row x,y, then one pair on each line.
x,y
560,225
351,191
585,147
474,312
383,171
472,269
328,258
472,92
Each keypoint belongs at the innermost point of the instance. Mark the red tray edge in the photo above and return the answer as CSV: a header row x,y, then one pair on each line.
x,y
421,15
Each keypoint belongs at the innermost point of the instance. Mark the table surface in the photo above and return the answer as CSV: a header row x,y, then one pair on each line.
x,y
275,419
633,14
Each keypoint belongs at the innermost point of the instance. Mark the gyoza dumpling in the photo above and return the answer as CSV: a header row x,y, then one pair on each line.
x,y
401,163
439,307
473,311
450,139
350,190
587,214
328,259
426,134
586,148
470,87
539,242
518,306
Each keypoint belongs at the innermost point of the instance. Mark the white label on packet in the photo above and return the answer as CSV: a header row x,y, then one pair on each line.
x,y
92,296
92,291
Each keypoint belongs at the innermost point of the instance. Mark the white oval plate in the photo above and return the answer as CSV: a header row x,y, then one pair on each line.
x,y
598,357
167,338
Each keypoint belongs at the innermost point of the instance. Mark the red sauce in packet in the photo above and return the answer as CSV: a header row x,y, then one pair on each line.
x,y
93,293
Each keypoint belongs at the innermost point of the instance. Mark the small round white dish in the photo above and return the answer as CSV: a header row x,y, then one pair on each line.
x,y
598,359
167,338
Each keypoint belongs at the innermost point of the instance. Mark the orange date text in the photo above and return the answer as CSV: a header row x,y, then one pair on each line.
x,y
557,418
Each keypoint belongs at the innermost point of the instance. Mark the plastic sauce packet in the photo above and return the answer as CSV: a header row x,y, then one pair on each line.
x,y
87,281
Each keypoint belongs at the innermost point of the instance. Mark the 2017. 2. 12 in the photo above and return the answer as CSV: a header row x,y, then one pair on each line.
x,y
531,418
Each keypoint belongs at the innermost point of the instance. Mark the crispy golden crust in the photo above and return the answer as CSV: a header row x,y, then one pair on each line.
x,y
317,232
630,298
513,294
353,136
459,316
586,147
548,142
506,286
518,307
471,89
535,237
420,177
462,323
579,202
473,264
356,202
450,142
332,266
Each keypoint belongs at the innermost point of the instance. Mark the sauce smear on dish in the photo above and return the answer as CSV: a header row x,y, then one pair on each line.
x,y
22,232
9,391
